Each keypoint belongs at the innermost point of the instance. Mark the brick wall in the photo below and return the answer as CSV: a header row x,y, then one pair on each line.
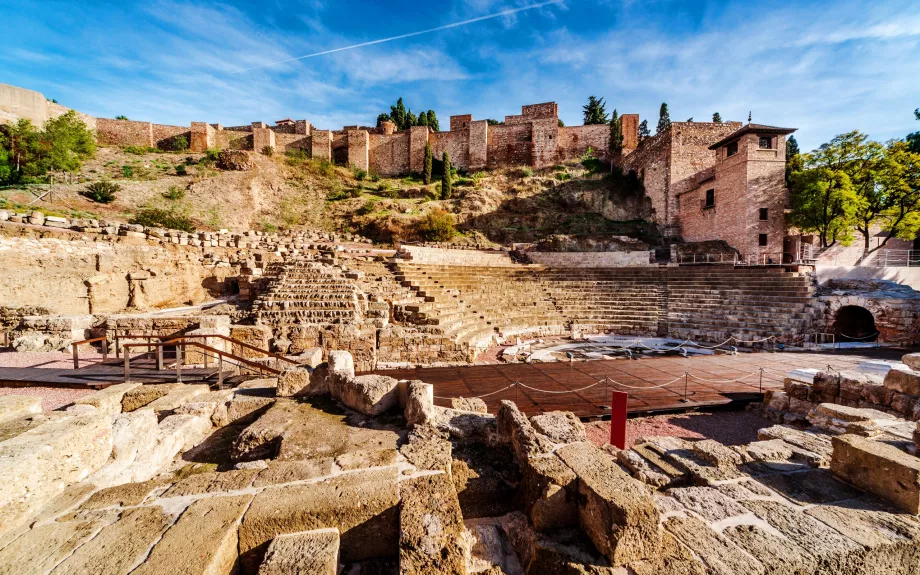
x,y
233,140
358,144
574,141
457,144
460,122
388,155
510,145
124,132
321,145
203,136
629,123
544,137
291,141
263,138
542,111
418,137
163,135
479,145
651,162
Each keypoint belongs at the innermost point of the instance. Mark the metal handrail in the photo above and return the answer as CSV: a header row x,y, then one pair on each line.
x,y
180,347
76,353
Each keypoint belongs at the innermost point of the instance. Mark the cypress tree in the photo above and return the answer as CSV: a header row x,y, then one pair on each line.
x,y
422,119
433,121
594,111
717,118
398,114
664,118
446,190
429,160
411,120
644,132
616,134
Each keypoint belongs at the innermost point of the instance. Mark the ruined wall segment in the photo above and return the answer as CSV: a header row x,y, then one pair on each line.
x,y
321,145
389,154
358,146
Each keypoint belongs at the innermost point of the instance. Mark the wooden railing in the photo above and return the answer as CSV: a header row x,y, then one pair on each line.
x,y
77,344
181,346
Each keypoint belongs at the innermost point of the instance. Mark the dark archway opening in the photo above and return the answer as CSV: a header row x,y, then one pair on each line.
x,y
854,323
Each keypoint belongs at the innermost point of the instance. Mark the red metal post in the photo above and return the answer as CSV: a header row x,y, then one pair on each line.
x,y
618,402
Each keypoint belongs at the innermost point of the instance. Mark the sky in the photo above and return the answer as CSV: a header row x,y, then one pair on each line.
x,y
822,67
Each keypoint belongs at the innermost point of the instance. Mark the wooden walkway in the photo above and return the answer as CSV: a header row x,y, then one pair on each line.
x,y
98,375
718,380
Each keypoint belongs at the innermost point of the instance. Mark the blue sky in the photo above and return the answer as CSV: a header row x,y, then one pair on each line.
x,y
822,67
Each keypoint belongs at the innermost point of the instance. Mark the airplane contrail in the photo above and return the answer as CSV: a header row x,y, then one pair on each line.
x,y
409,35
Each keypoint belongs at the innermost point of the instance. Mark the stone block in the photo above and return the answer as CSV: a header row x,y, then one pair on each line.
x,y
473,404
368,394
778,400
109,399
560,426
912,360
278,472
550,493
314,552
487,480
708,503
712,548
617,512
430,527
797,389
638,466
144,395
262,438
177,396
311,357
825,388
41,548
14,407
428,453
513,427
214,482
294,381
242,408
903,381
341,364
133,434
363,506
880,469
419,403
204,540
716,453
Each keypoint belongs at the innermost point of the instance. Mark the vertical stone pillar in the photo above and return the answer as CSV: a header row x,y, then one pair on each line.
x,y
418,137
262,137
302,127
544,135
321,145
358,146
203,137
630,126
479,144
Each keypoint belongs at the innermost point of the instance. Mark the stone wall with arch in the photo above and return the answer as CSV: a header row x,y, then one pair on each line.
x,y
896,319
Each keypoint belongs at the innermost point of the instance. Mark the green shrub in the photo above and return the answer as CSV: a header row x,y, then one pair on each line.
x,y
360,174
181,170
437,226
368,208
101,192
525,172
140,150
563,176
337,195
158,218
120,117
174,193
177,143
210,157
190,161
127,172
374,176
268,151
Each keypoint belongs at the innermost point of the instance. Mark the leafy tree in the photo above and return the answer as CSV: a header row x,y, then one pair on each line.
x,y
594,111
616,134
899,181
6,168
429,161
917,113
794,161
664,118
717,118
437,226
560,123
446,188
29,155
121,117
398,114
411,120
383,118
644,132
422,119
492,122
913,139
101,192
433,121
823,202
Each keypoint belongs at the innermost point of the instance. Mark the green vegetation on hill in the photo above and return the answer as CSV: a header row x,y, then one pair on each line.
x,y
28,154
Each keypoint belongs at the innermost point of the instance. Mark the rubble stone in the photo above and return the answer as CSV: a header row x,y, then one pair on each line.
x,y
560,426
108,399
878,468
295,381
550,493
903,381
430,527
368,394
315,552
473,404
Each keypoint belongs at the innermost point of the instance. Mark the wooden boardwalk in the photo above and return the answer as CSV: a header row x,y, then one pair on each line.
x,y
98,375
653,384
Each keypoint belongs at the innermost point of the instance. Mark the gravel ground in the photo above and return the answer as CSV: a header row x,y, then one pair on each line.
x,y
728,427
52,397
47,359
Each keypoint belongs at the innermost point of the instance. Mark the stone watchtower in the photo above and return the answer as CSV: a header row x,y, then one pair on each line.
x,y
746,201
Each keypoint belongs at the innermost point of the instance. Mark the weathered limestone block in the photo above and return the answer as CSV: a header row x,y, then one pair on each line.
x,y
255,335
430,527
123,495
368,394
262,439
108,399
464,425
473,404
638,466
777,400
119,546
133,434
560,426
175,434
314,552
311,357
825,388
514,428
550,493
37,464
713,549
617,512
144,395
428,453
40,549
243,407
14,407
341,364
204,540
716,453
295,381
912,360
852,384
487,480
818,445
214,482
419,403
176,397
880,469
707,502
277,472
769,450
903,381
363,506
776,554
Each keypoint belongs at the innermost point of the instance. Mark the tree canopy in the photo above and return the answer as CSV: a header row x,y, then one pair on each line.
x,y
853,184
28,154
594,111
717,118
644,132
405,118
664,118
616,134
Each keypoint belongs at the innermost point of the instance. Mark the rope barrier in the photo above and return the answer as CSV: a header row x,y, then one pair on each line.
x,y
739,380
860,338
480,396
563,391
646,387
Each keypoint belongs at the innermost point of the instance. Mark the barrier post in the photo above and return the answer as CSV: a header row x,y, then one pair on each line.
x,y
761,380
618,403
686,398
76,357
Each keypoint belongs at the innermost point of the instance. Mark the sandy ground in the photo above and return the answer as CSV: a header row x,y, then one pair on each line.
x,y
728,427
52,397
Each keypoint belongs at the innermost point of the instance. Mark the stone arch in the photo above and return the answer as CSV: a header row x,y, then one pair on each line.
x,y
854,323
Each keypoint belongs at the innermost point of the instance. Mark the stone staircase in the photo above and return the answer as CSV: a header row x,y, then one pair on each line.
x,y
476,304
308,293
